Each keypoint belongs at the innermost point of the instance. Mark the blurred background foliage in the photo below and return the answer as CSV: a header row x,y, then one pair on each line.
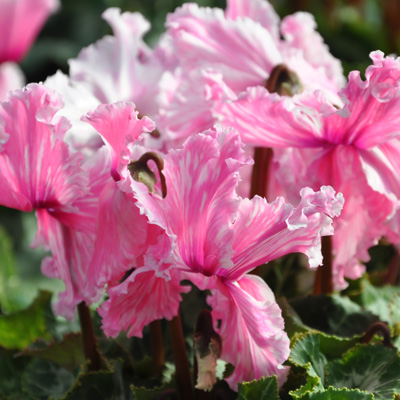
x,y
351,28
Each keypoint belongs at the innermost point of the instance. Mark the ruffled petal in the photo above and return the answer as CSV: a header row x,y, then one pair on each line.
x,y
364,218
187,103
20,22
71,252
121,67
122,237
254,341
370,116
139,300
258,10
265,231
299,33
36,167
78,100
118,124
269,120
241,49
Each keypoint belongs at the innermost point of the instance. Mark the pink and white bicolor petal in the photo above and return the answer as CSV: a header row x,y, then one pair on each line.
x,y
265,231
121,237
254,341
140,299
269,120
241,49
71,252
300,35
257,10
201,179
36,167
365,213
188,103
370,116
20,22
119,125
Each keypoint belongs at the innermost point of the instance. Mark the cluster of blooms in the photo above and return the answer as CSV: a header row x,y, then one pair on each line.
x,y
201,100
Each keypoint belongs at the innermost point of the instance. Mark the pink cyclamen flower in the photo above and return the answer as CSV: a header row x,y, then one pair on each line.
x,y
222,54
20,22
38,171
355,149
246,51
215,239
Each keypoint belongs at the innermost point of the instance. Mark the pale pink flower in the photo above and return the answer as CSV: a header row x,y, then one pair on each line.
x,y
222,54
246,51
215,239
37,171
355,149
121,67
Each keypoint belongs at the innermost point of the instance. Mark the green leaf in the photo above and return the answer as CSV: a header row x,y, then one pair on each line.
x,y
383,301
142,393
311,384
68,353
306,353
337,394
44,379
11,370
373,368
335,315
264,388
97,385
22,328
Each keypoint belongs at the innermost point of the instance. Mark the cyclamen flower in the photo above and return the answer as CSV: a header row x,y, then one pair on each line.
x,y
355,149
215,239
222,54
37,171
245,51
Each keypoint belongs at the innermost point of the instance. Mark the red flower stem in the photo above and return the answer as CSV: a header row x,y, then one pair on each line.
x,y
157,348
89,339
323,283
392,273
378,327
181,361
259,177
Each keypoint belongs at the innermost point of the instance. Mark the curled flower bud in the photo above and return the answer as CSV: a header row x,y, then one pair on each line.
x,y
283,81
207,349
141,172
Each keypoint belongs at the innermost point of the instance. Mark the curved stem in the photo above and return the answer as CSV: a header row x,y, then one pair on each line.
x,y
378,327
